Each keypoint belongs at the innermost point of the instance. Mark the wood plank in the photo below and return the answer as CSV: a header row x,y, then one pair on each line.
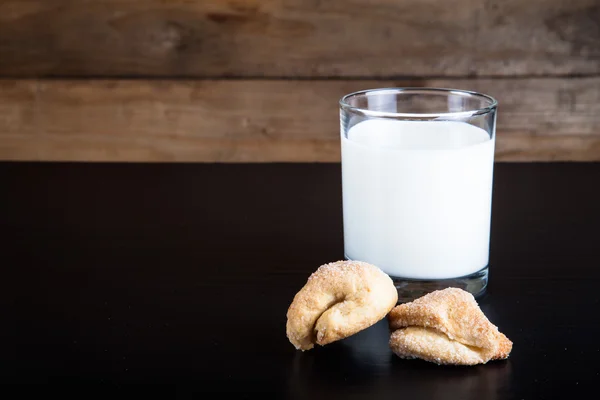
x,y
264,121
298,38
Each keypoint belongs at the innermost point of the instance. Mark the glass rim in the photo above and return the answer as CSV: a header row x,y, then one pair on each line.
x,y
344,105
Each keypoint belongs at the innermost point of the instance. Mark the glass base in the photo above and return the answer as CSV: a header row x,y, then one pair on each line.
x,y
410,289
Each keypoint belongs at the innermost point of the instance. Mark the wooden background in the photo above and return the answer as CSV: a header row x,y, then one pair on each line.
x,y
259,80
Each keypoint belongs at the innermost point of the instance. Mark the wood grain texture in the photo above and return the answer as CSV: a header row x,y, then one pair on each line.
x,y
298,38
264,121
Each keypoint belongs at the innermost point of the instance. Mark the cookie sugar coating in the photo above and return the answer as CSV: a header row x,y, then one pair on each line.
x,y
446,327
338,300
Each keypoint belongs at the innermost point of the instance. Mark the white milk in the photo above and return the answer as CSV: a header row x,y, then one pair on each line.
x,y
417,197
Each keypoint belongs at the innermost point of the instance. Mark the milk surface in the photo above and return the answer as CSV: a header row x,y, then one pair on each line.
x,y
417,197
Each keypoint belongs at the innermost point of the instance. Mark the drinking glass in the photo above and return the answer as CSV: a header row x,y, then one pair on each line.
x,y
417,172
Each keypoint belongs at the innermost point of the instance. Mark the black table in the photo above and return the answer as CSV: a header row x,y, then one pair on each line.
x,y
182,274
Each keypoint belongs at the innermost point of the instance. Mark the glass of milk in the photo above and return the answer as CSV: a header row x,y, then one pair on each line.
x,y
417,169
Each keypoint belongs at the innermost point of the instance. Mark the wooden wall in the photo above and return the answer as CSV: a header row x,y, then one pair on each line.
x,y
259,80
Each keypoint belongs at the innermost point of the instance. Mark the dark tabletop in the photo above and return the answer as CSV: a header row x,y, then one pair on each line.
x,y
182,274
